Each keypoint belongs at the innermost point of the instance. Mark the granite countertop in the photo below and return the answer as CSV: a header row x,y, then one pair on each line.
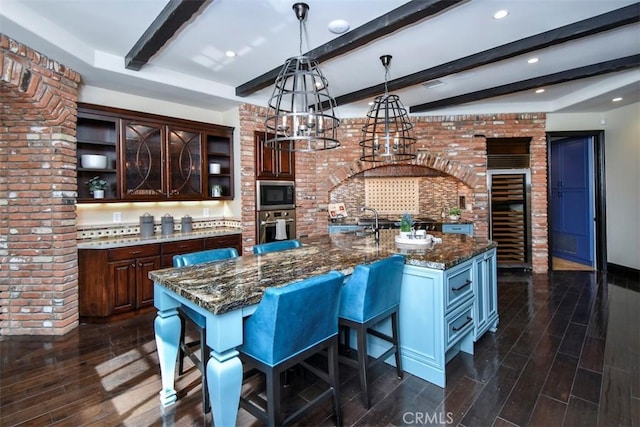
x,y
118,242
357,221
223,286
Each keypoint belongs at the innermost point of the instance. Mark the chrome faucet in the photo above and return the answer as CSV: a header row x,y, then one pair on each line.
x,y
376,227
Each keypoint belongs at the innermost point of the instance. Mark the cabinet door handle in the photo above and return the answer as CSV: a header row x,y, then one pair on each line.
x,y
133,265
467,283
466,322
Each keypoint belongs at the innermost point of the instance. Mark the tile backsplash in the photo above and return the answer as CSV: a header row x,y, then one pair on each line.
x,y
102,231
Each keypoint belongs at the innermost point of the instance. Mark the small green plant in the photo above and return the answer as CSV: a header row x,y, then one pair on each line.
x,y
406,223
97,183
454,211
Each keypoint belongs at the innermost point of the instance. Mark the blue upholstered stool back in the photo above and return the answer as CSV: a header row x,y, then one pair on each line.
x,y
193,258
280,245
184,260
293,318
372,289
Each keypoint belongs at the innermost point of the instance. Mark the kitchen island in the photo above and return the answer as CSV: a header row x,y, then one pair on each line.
x,y
448,300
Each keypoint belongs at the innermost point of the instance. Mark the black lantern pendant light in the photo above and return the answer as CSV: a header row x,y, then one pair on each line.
x,y
300,114
386,135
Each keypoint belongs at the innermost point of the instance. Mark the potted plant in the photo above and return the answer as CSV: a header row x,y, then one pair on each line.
x,y
454,214
97,186
405,224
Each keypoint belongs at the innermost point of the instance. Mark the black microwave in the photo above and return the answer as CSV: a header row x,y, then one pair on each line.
x,y
275,195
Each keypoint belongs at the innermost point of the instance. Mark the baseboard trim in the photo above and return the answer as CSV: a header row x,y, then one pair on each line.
x,y
623,271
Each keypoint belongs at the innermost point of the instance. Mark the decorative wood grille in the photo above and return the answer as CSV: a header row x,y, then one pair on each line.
x,y
393,195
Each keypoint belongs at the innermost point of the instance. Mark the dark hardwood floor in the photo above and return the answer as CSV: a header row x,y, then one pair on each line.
x,y
567,352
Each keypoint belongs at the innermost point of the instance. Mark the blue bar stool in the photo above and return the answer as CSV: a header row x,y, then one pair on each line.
x,y
197,319
290,324
371,295
280,245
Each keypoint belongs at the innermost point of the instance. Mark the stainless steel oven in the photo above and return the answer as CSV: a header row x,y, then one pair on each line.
x,y
267,225
275,195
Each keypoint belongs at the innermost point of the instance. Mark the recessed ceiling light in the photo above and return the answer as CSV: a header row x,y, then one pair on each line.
x,y
338,26
532,60
230,54
539,90
500,14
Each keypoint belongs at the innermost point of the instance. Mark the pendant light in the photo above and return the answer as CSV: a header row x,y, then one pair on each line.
x,y
300,115
386,134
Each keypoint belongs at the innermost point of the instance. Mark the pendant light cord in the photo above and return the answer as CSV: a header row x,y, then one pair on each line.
x,y
386,79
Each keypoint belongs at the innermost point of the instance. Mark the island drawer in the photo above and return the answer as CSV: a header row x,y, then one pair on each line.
x,y
133,252
458,285
458,323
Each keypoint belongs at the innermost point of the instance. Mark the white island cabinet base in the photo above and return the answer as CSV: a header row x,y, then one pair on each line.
x,y
442,312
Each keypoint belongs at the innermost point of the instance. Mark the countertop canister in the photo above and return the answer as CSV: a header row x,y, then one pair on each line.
x,y
166,224
146,225
187,224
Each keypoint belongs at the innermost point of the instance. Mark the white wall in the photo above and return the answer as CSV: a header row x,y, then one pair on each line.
x,y
622,163
102,213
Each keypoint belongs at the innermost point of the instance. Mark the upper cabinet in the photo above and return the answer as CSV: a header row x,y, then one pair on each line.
x,y
143,159
273,164
97,149
154,158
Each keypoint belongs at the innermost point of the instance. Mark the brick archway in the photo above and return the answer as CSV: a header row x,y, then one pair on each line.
x,y
38,255
465,174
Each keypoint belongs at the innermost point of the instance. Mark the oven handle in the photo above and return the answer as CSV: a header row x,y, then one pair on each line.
x,y
274,222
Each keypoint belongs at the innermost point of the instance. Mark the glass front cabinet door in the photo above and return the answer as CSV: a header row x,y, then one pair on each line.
x,y
185,164
143,160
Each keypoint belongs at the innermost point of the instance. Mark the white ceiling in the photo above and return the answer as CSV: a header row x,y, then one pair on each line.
x,y
94,36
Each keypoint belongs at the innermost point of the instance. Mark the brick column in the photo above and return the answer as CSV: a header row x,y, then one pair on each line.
x,y
38,254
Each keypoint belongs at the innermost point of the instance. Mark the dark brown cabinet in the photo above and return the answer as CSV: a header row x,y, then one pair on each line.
x,y
115,282
219,152
154,158
226,241
97,135
273,164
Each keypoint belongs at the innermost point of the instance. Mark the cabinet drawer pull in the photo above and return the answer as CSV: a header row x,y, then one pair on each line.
x,y
466,322
467,283
135,252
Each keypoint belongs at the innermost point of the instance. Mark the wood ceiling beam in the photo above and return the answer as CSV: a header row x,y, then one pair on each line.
x,y
606,67
405,15
597,24
170,19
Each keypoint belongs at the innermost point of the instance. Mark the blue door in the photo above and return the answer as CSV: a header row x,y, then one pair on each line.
x,y
572,199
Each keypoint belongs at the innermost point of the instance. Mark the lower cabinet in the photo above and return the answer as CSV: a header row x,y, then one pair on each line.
x,y
442,312
485,288
115,282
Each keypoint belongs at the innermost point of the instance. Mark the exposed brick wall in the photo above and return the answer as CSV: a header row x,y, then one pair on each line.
x,y
455,145
38,256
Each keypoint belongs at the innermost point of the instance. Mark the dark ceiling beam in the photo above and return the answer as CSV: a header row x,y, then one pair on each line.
x,y
172,17
606,67
405,15
597,24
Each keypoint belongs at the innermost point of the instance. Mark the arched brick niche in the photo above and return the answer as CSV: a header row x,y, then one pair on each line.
x,y
38,254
